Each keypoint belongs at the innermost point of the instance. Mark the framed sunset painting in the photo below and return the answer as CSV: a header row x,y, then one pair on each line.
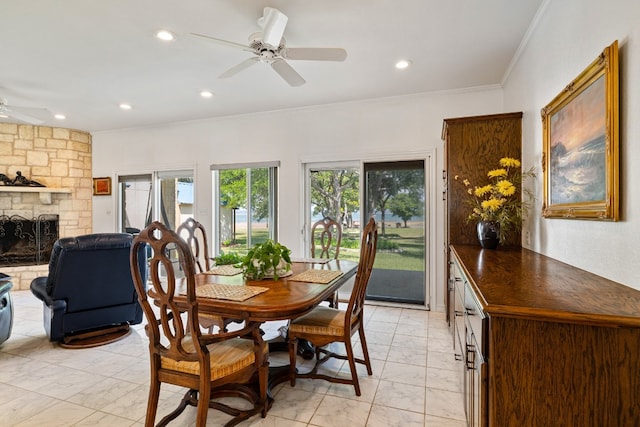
x,y
580,144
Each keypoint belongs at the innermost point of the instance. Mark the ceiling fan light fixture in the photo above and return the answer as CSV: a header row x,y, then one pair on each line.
x,y
403,64
268,47
164,35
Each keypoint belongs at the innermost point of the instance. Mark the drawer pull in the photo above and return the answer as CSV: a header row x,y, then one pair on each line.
x,y
471,357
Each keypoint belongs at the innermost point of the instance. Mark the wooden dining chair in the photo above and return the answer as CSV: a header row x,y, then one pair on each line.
x,y
325,325
208,365
195,235
326,236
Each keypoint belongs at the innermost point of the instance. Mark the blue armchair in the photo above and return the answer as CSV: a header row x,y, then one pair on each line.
x,y
88,297
6,308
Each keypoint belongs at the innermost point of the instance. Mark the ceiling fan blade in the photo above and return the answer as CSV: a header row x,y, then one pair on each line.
x,y
224,42
24,114
315,53
22,117
236,69
273,23
285,70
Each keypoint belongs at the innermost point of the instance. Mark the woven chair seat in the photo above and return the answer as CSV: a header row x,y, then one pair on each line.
x,y
320,321
227,357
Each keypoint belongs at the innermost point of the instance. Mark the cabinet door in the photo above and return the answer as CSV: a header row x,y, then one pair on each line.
x,y
472,145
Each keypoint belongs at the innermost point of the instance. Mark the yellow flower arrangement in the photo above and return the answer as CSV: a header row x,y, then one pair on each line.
x,y
499,201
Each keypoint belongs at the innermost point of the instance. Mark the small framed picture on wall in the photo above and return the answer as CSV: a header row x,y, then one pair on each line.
x,y
102,186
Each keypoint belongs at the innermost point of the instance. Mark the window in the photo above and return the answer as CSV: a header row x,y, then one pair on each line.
x,y
245,199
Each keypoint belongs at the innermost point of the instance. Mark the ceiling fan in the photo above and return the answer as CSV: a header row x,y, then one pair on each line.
x,y
269,47
22,114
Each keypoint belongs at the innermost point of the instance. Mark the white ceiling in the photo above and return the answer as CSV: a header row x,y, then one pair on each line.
x,y
82,58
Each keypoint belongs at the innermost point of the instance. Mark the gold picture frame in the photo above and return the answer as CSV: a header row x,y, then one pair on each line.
x,y
580,144
102,186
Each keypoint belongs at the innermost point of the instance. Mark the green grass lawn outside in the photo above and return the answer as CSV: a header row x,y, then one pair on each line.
x,y
407,255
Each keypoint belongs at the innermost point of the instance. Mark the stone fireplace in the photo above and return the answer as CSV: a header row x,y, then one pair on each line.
x,y
60,159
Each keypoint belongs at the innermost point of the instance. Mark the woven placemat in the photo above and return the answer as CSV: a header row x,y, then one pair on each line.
x,y
311,260
317,276
224,270
229,292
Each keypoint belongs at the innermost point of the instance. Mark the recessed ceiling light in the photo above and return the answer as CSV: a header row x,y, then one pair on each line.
x,y
164,35
60,116
125,106
402,64
3,116
206,94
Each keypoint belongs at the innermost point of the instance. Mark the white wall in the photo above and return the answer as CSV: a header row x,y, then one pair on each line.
x,y
350,131
570,34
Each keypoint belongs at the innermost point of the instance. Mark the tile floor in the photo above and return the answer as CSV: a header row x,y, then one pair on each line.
x,y
415,379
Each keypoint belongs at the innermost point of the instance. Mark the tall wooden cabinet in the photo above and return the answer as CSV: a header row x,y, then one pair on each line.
x,y
473,146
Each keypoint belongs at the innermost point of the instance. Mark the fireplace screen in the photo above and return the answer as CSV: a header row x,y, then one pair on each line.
x,y
27,241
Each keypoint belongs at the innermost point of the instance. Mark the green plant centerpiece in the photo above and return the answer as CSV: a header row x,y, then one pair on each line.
x,y
267,259
231,258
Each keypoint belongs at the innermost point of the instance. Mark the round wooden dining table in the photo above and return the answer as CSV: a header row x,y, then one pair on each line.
x,y
285,298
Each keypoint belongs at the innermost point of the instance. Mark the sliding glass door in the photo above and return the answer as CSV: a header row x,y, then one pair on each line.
x,y
135,194
395,197
165,196
393,192
333,191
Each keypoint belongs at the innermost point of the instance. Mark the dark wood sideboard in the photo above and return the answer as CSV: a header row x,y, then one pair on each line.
x,y
552,345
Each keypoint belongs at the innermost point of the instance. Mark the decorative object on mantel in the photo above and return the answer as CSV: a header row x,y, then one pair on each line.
x,y
102,186
580,144
497,206
19,181
267,259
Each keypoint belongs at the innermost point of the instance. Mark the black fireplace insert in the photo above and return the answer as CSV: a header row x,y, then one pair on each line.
x,y
26,241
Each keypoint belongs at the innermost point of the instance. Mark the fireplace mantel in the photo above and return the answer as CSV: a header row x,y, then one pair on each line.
x,y
45,192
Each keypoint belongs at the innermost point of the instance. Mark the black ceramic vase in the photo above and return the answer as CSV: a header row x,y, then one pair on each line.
x,y
488,234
